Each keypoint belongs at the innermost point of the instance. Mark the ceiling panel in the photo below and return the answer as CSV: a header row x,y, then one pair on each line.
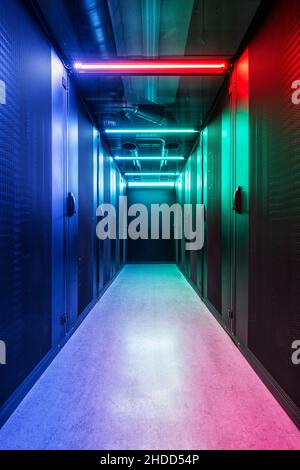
x,y
95,29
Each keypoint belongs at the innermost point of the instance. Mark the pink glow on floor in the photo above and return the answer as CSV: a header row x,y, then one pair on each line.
x,y
150,368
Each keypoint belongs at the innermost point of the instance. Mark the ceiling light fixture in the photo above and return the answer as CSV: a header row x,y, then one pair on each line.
x,y
150,158
143,173
149,184
151,131
177,67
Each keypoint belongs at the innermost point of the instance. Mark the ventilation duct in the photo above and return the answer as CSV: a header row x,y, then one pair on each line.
x,y
150,112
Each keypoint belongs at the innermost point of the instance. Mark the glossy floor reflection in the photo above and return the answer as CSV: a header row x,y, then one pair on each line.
x,y
149,368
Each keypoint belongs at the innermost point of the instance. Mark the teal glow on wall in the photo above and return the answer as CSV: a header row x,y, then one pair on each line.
x,y
205,150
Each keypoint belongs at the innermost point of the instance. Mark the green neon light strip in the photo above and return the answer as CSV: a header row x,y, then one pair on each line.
x,y
142,173
148,184
150,158
151,131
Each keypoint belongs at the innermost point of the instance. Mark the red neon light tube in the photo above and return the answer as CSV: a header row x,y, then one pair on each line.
x,y
155,67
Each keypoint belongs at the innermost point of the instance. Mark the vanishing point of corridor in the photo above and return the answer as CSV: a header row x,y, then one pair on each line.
x,y
150,367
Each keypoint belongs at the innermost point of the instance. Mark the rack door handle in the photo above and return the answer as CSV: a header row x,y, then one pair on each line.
x,y
71,205
237,201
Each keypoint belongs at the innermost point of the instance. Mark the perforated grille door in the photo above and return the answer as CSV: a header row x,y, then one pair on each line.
x,y
25,195
275,202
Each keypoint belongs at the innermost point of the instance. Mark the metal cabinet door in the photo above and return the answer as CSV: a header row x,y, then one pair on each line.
x,y
72,209
59,192
240,260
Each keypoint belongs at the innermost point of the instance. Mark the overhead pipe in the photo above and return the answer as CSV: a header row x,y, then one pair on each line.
x,y
132,148
155,139
150,112
94,32
98,30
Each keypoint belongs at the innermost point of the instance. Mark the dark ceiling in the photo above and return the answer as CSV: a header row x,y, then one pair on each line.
x,y
98,29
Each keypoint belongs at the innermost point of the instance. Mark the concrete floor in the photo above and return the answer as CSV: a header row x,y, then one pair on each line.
x,y
150,368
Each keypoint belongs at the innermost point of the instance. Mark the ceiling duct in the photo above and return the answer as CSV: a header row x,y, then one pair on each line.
x,y
172,145
131,146
95,32
150,112
165,152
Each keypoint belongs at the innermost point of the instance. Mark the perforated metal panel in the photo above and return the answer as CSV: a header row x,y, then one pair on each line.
x,y
72,223
194,177
25,195
213,214
275,202
107,242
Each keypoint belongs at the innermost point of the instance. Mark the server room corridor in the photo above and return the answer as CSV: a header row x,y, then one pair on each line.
x,y
149,368
149,224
